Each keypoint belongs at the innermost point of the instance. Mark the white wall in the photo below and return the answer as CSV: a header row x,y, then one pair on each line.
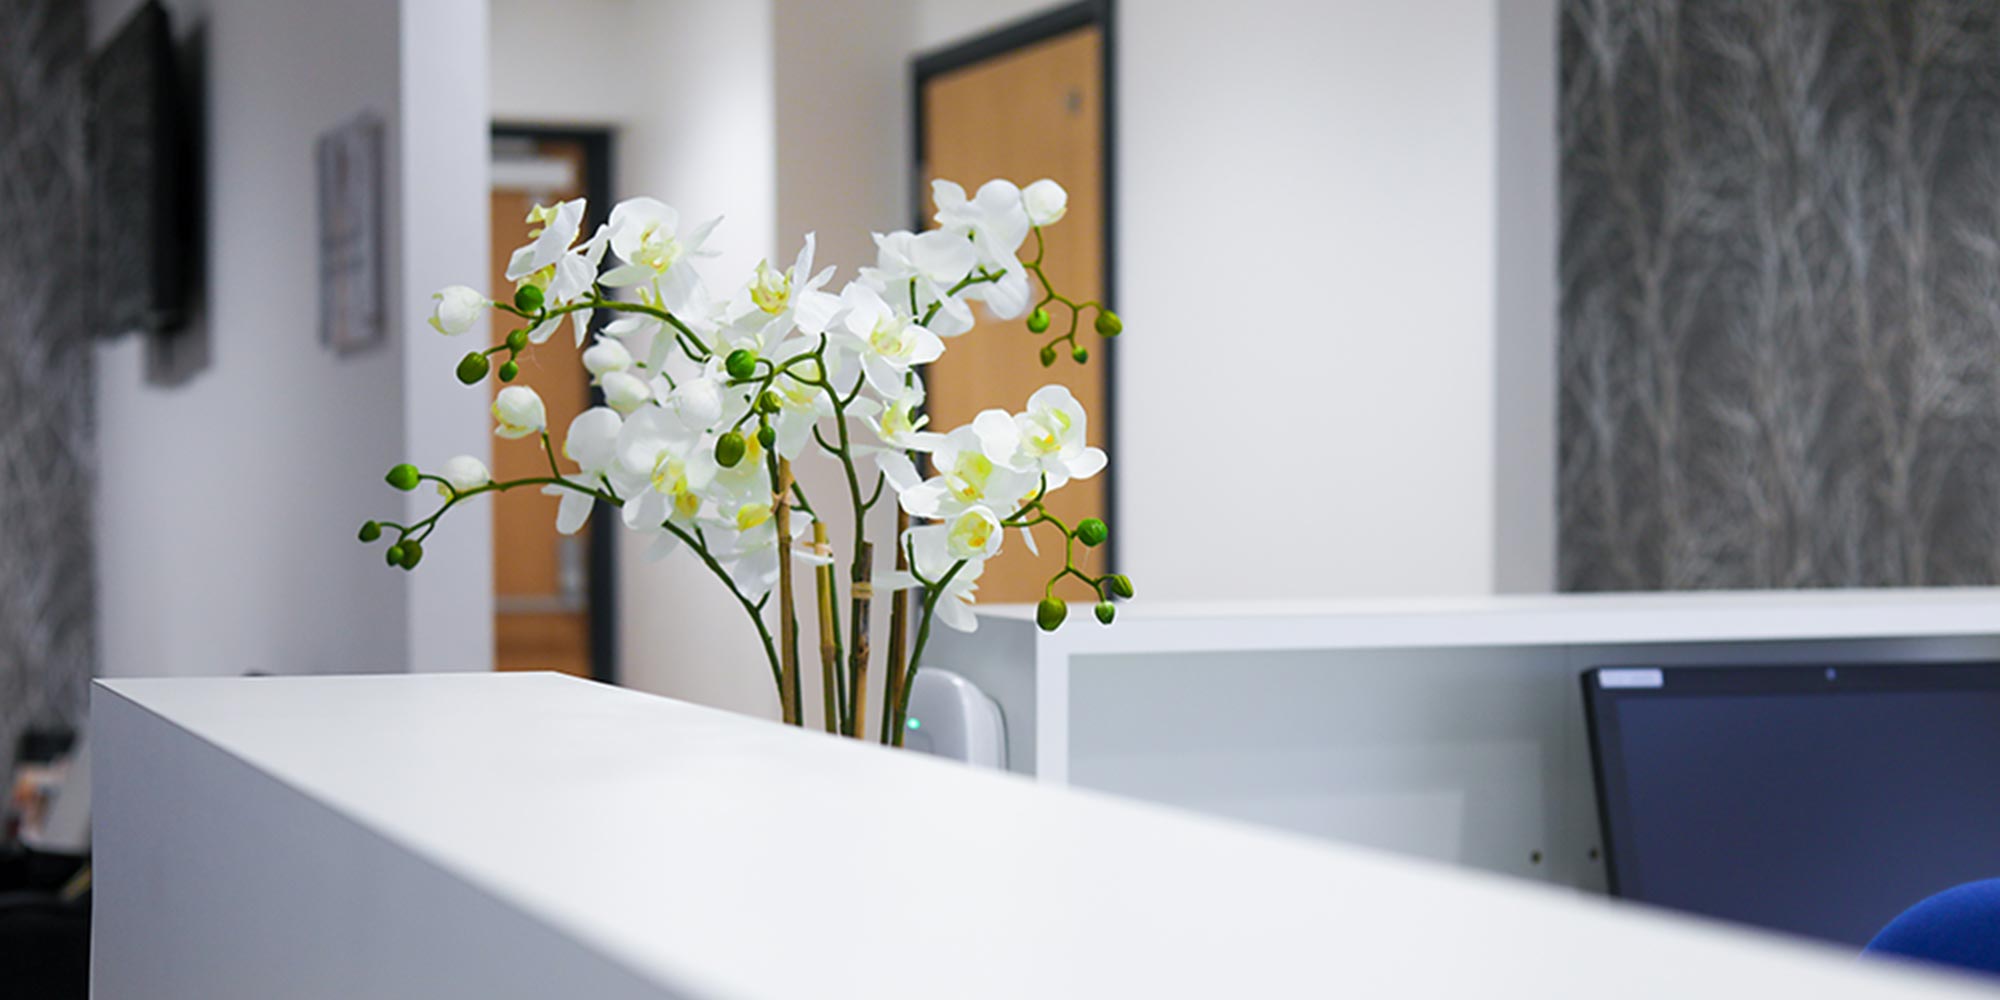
x,y
1372,187
687,87
229,501
1307,270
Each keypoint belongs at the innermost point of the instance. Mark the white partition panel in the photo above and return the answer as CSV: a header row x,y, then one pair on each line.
x,y
1450,730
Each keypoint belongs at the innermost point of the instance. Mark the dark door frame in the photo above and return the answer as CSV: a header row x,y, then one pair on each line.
x,y
603,558
1000,41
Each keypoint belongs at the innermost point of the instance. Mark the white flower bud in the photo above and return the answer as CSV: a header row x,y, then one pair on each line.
x,y
606,356
625,392
698,401
520,412
458,310
465,473
1046,201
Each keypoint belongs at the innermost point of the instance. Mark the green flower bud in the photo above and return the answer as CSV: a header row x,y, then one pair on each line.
x,y
770,402
767,436
1108,323
729,449
1038,321
1048,355
741,363
528,298
412,554
1120,585
403,477
370,531
509,372
1106,611
394,556
473,367
1092,532
1050,613
1079,355
517,341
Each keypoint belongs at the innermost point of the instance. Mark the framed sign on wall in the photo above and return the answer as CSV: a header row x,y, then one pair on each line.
x,y
351,314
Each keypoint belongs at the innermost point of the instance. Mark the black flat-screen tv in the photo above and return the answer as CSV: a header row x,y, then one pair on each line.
x,y
141,205
1822,800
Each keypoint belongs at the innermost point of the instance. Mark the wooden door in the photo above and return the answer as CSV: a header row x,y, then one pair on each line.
x,y
540,577
1031,112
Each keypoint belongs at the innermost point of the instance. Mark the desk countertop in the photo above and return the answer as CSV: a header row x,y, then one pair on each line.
x,y
727,857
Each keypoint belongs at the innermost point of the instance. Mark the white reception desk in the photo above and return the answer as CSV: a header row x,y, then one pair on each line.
x,y
1449,729
503,836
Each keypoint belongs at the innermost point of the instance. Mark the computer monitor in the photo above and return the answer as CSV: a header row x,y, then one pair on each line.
x,y
1821,800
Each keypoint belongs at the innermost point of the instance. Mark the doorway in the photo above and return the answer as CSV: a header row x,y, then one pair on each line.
x,y
553,603
1024,102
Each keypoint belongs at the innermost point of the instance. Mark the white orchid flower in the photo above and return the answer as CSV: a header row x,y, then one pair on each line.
x,y
1006,298
519,411
934,262
646,235
464,473
458,310
967,478
900,472
541,332
592,443
643,337
662,468
800,406
996,220
560,223
573,273
1047,440
973,533
897,421
888,342
751,555
1045,201
930,555
774,303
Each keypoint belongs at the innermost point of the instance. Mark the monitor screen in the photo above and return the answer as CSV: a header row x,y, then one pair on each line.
x,y
1818,800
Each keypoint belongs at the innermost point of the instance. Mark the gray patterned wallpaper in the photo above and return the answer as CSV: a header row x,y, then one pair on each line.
x,y
46,644
1780,351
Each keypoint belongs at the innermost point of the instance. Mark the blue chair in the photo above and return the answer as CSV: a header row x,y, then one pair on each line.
x,y
1958,927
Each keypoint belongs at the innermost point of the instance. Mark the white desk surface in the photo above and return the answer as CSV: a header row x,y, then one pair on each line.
x,y
727,857
1523,620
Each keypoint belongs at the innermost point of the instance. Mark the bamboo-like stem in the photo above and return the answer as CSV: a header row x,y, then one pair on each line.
x,y
829,647
899,627
862,595
788,620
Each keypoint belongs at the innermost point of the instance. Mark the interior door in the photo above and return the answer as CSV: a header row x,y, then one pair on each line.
x,y
1032,111
541,579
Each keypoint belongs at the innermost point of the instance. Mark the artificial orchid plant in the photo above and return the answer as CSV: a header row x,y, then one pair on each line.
x,y
707,401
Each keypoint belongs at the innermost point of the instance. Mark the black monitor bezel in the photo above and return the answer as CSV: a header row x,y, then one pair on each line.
x,y
1614,823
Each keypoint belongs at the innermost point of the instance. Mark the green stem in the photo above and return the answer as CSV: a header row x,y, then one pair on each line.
x,y
931,597
756,618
